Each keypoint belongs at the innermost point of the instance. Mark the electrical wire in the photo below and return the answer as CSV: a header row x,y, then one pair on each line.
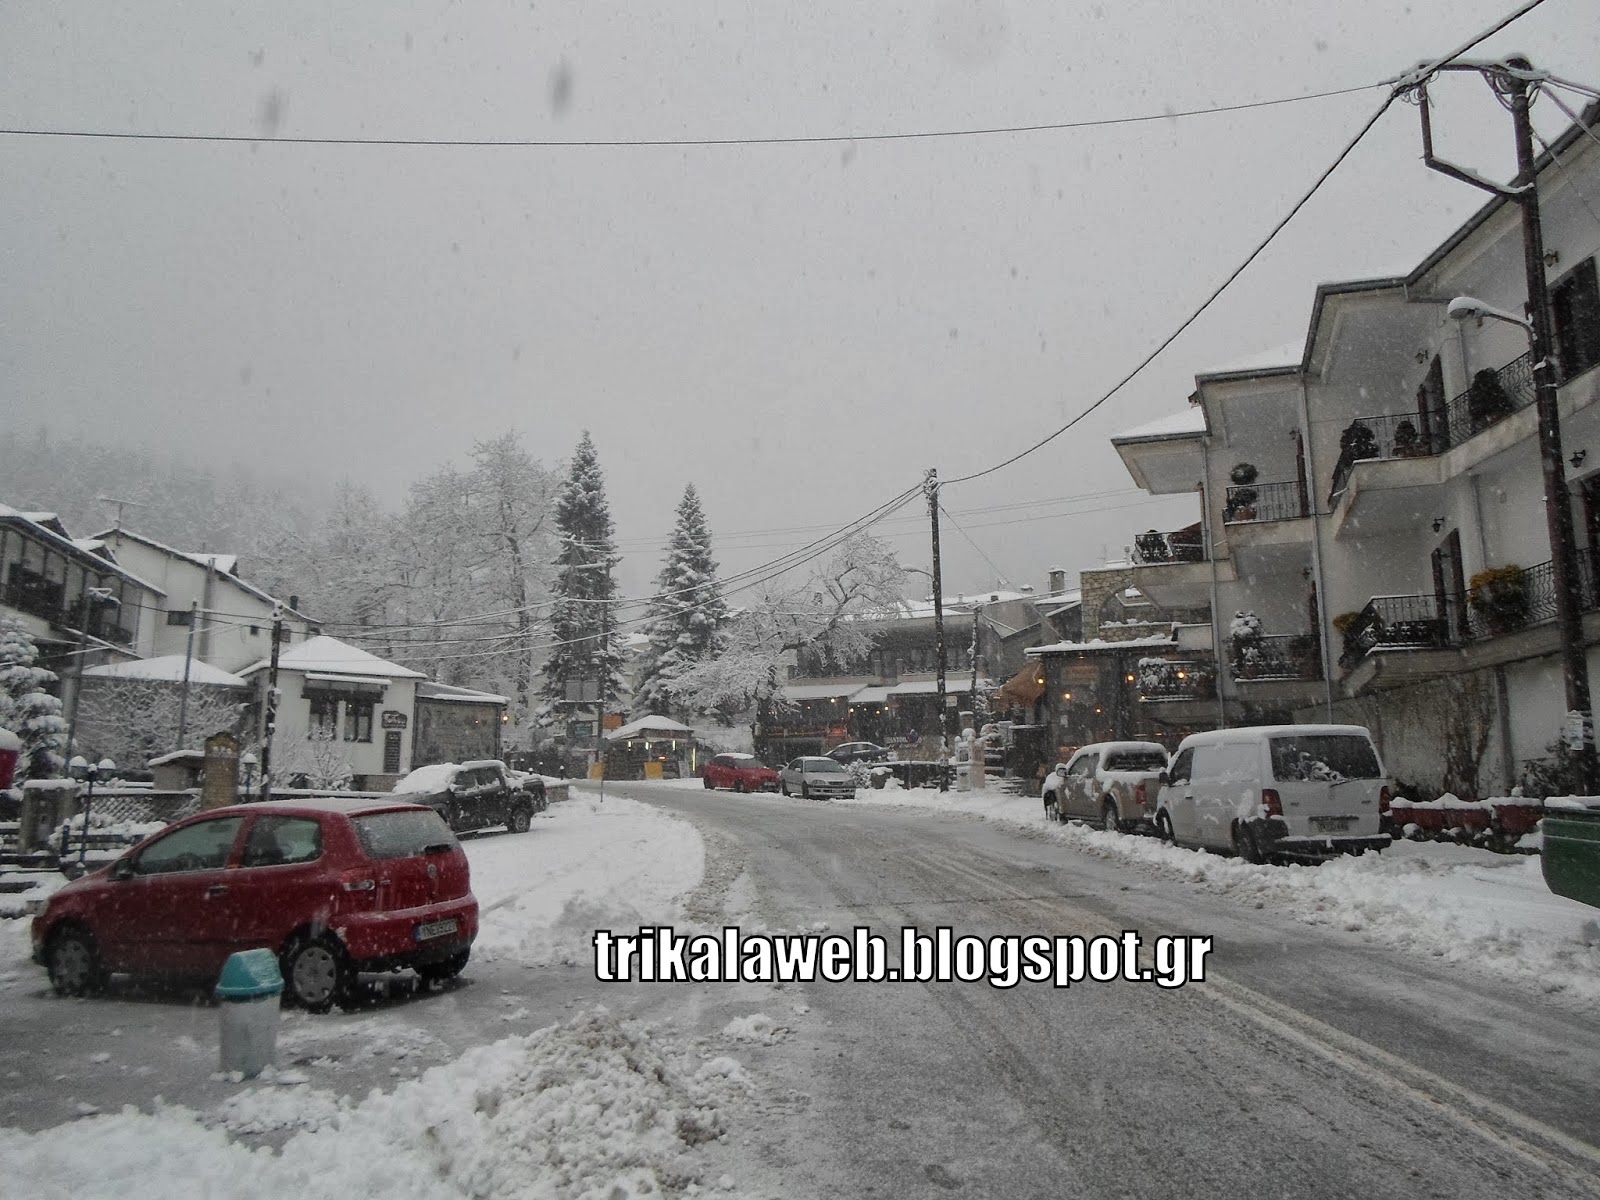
x,y
631,143
998,572
1408,82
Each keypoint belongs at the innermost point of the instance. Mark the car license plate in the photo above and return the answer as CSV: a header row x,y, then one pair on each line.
x,y
1331,824
435,929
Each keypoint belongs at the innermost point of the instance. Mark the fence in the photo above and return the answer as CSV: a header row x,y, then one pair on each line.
x,y
1265,502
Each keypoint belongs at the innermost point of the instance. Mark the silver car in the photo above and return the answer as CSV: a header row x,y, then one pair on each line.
x,y
816,779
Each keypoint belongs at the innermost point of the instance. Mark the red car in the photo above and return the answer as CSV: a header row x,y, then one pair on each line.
x,y
333,886
741,772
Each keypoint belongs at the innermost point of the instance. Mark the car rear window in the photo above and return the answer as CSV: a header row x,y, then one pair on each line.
x,y
1135,760
1323,756
402,834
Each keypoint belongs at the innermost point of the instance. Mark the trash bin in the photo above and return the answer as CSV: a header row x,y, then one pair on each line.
x,y
249,989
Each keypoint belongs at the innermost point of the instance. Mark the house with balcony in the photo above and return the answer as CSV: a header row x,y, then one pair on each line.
x,y
1372,523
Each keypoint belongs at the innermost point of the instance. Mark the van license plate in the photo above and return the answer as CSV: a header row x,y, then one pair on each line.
x,y
1331,824
435,929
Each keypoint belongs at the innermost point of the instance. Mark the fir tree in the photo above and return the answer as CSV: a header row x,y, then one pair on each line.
x,y
582,625
26,708
686,615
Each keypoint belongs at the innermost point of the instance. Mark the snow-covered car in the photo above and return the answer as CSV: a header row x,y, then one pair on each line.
x,y
741,772
476,795
853,752
1112,784
332,886
1302,791
817,778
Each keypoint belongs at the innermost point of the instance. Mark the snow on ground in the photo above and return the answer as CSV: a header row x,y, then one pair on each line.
x,y
596,1108
1458,904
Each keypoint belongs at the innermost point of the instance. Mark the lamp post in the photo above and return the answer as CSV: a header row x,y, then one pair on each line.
x,y
81,768
248,763
1558,516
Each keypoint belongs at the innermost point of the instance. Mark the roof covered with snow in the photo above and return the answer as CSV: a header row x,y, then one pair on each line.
x,y
429,690
1102,645
328,654
434,777
648,725
168,668
1189,423
226,565
1278,360
47,526
821,691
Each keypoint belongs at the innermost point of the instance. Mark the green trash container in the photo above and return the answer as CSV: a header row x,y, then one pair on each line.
x,y
1570,858
249,990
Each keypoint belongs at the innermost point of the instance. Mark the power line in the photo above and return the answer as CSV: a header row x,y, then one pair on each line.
x,y
998,572
633,143
1406,82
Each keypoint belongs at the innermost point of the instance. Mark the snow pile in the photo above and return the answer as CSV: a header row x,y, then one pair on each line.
x,y
1451,903
590,1110
757,1027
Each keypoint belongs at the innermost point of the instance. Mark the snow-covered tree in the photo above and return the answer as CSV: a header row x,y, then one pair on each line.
x,y
26,708
827,613
133,720
319,762
686,614
582,624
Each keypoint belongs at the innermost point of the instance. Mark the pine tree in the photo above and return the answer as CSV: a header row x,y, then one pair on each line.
x,y
582,625
26,708
686,615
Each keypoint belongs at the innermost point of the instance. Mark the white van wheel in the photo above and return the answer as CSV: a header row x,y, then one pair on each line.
x,y
1164,827
1245,844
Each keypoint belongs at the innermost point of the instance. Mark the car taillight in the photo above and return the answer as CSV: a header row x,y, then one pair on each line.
x,y
1383,799
1139,794
1271,802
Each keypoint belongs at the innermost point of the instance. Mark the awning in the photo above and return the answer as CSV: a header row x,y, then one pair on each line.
x,y
357,685
930,687
1022,689
870,695
820,691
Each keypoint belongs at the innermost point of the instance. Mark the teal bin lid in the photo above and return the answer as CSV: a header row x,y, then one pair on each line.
x,y
248,974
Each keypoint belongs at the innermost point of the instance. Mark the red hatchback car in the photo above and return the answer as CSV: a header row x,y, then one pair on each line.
x,y
332,886
741,772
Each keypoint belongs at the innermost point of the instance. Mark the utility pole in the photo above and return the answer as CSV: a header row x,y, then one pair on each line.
x,y
270,724
188,661
92,597
1510,79
930,487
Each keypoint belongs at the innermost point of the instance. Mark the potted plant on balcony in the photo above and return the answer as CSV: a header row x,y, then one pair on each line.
x,y
1500,596
1487,401
1244,635
1407,441
1241,505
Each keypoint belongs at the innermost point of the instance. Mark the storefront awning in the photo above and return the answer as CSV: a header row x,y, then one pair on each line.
x,y
820,691
1022,689
930,687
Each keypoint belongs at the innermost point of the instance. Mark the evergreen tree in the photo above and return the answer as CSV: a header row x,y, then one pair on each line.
x,y
687,613
26,708
582,625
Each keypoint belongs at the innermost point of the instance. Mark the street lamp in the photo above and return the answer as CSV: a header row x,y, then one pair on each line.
x,y
1463,307
248,763
82,768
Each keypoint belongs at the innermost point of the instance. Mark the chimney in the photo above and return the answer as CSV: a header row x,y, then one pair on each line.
x,y
1058,579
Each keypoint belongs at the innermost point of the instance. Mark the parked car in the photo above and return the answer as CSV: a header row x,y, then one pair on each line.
x,y
741,772
476,795
851,752
333,886
1112,784
1303,791
817,779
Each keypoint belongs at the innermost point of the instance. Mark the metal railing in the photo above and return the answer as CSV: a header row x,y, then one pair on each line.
x,y
1264,502
1424,434
1177,679
1430,622
1276,656
1180,545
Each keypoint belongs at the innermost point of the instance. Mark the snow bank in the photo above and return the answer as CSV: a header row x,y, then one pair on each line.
x,y
1485,911
592,1109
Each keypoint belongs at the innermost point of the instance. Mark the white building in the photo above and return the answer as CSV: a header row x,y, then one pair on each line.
x,y
1396,460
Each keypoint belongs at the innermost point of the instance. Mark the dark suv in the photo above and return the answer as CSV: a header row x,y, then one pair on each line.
x,y
475,795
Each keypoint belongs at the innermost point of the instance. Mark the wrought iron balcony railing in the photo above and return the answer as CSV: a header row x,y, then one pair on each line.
x,y
1177,679
1276,656
1426,433
1265,502
1178,546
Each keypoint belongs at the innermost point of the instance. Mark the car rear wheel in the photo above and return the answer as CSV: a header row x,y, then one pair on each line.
x,y
521,818
1245,844
441,972
738,785
1108,818
74,963
316,973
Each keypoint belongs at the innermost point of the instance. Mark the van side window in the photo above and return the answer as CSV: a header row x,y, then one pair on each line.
x,y
1207,762
1181,767
1238,761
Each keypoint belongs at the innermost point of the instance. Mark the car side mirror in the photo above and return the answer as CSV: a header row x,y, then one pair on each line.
x,y
1162,779
122,869
1061,770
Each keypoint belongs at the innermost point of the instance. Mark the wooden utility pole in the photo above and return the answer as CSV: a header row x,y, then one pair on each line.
x,y
270,724
188,662
930,486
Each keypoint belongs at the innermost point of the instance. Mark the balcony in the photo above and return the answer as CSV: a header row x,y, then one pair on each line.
x,y
1178,546
1523,598
44,599
1388,436
1173,569
1252,503
1165,679
1276,657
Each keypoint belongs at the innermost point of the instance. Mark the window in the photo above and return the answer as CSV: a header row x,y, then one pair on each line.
x,y
358,720
180,616
1575,309
1136,760
275,841
203,846
324,720
1323,757
402,834
1181,766
1083,764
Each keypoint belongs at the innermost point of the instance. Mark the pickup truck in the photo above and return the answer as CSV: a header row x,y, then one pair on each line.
x,y
1112,784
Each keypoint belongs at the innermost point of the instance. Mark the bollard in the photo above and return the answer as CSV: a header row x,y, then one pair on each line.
x,y
249,990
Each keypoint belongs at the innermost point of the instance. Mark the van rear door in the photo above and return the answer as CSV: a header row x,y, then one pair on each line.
x,y
1327,783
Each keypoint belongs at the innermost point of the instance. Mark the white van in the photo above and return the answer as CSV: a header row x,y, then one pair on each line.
x,y
1275,791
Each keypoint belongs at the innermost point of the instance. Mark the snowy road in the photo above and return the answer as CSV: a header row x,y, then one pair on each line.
x,y
1311,1062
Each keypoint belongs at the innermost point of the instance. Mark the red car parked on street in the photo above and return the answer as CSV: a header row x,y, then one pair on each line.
x,y
332,886
741,772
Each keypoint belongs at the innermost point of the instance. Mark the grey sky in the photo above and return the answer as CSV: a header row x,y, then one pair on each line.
x,y
800,330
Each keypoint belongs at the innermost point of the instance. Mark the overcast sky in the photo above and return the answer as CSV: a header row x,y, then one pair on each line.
x,y
800,330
